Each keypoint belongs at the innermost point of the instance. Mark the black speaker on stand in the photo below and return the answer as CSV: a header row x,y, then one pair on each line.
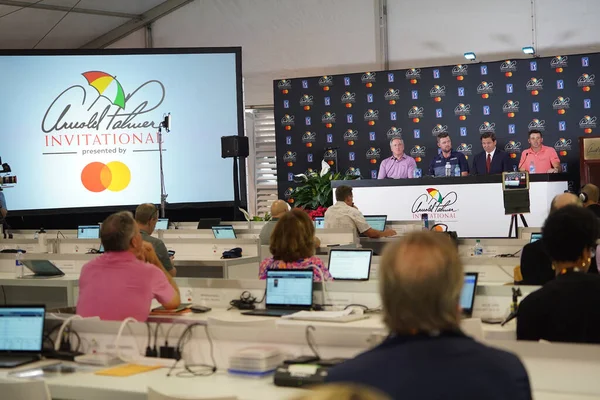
x,y
235,147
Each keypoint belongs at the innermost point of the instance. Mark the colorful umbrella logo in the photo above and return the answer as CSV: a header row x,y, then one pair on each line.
x,y
107,86
435,194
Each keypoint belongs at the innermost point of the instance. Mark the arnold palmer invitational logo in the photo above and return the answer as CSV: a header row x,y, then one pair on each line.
x,y
413,73
392,95
348,99
587,123
487,127
534,86
308,138
513,148
439,129
559,62
418,153
394,132
306,101
325,82
437,92
284,85
459,71
373,155
537,124
439,206
508,67
351,136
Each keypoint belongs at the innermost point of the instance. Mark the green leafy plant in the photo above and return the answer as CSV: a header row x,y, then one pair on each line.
x,y
315,190
266,217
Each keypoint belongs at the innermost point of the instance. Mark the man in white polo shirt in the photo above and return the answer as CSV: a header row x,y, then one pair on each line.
x,y
344,215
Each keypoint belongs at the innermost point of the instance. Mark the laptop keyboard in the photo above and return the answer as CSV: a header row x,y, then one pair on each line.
x,y
270,313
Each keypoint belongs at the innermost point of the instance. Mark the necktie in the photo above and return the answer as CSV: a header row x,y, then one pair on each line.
x,y
488,163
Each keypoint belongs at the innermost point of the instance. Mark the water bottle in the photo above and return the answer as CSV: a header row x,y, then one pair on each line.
x,y
531,168
42,241
478,249
457,170
418,172
18,264
425,221
448,169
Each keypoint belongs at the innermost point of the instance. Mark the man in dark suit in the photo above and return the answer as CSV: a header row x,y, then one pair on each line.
x,y
426,356
491,160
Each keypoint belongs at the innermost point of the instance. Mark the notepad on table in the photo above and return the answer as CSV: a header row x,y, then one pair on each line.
x,y
127,370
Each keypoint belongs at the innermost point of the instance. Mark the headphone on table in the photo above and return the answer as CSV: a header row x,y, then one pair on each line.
x,y
582,195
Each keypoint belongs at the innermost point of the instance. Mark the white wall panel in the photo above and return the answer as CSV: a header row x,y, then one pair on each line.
x,y
135,40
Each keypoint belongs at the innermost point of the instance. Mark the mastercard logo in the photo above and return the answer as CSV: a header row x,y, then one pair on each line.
x,y
97,177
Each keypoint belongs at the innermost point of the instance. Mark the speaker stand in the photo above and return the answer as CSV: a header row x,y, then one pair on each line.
x,y
163,191
236,190
515,222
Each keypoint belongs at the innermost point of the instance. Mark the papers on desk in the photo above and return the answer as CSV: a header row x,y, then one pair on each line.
x,y
348,315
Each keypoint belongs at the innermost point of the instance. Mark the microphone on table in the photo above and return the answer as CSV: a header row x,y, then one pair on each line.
x,y
514,307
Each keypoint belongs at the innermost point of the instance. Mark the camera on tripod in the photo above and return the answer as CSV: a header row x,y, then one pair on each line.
x,y
6,180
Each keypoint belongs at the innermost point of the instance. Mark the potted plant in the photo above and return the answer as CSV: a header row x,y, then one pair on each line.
x,y
315,194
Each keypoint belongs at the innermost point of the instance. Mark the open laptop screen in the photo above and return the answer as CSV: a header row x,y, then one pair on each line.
x,y
88,232
223,232
289,288
21,328
376,222
319,222
162,224
354,264
467,295
535,236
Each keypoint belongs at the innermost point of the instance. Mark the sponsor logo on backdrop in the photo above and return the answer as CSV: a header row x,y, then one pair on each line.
x,y
288,140
307,121
585,82
330,156
460,71
465,148
368,78
373,155
284,85
287,121
437,92
372,136
537,124
304,84
416,113
391,95
510,108
417,133
308,138
534,86
487,127
485,89
512,129
462,110
562,146
288,195
286,104
418,153
289,158
559,62
486,110
463,131
483,69
394,132
355,171
390,77
436,74
533,65
306,101
348,99
326,82
513,148
328,119
561,104
346,81
508,67
585,61
351,136
587,123
439,129
438,205
413,75
371,116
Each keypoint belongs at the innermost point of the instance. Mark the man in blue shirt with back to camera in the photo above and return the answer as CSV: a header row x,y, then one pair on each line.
x,y
447,156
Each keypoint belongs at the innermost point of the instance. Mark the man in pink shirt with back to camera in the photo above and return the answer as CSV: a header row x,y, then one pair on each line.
x,y
544,158
117,285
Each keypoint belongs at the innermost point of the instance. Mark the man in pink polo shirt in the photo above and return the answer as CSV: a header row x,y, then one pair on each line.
x,y
543,158
117,285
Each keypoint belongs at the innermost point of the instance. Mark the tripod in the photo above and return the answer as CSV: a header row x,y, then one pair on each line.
x,y
515,222
163,191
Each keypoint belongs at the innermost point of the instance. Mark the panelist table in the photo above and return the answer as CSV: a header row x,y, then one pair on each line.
x,y
473,206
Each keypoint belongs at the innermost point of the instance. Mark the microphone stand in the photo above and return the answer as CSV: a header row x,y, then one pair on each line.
x,y
163,190
514,307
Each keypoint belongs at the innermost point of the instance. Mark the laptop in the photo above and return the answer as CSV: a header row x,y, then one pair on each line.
x,y
224,232
21,334
467,295
207,223
288,291
42,269
535,236
162,224
319,222
350,264
88,232
376,222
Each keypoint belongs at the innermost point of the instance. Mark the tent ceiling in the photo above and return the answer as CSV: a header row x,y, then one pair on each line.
x,y
24,23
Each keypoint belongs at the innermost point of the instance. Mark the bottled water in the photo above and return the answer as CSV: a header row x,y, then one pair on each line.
x,y
18,264
448,169
457,170
478,249
531,168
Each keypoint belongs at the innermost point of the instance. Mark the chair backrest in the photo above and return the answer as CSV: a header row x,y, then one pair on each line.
x,y
154,395
24,390
517,276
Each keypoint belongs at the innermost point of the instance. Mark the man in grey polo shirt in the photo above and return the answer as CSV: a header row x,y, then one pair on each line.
x,y
146,216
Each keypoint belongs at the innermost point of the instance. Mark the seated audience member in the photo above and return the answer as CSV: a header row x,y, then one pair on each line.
x,y
565,309
344,215
278,208
117,284
426,356
146,216
293,246
590,194
536,266
343,392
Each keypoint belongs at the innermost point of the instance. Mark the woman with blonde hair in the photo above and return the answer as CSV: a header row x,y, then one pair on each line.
x,y
293,246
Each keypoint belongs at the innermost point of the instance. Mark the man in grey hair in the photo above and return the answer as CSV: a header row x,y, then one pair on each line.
x,y
399,165
117,284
